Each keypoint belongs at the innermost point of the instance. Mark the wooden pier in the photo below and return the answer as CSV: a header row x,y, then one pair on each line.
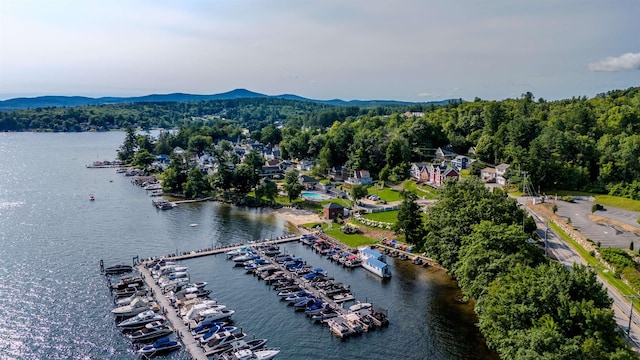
x,y
410,256
191,345
222,250
304,285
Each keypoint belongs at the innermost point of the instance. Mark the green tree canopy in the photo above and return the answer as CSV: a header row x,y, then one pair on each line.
x,y
409,221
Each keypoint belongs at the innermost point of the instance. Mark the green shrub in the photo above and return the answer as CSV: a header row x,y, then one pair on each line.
x,y
618,258
633,277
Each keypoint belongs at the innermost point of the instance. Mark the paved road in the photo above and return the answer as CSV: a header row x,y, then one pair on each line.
x,y
557,249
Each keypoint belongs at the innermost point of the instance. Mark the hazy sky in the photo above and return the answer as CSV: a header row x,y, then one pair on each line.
x,y
418,50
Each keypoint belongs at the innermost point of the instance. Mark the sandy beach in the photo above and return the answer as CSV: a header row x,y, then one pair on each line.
x,y
303,216
297,216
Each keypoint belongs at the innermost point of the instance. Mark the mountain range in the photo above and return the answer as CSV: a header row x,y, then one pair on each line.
x,y
72,101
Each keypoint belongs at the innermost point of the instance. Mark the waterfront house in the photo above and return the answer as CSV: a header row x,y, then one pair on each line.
x,y
270,171
488,174
461,162
501,171
308,182
305,165
338,173
439,173
419,172
445,153
360,177
332,210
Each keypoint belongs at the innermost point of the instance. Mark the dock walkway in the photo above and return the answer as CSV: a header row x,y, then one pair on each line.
x,y
411,256
305,285
222,250
191,345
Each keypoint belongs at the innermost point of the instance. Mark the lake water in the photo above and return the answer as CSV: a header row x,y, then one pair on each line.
x,y
54,303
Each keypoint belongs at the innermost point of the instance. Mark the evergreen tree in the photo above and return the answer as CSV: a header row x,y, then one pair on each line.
x,y
410,219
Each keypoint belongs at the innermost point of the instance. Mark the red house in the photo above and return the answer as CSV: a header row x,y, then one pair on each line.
x,y
439,173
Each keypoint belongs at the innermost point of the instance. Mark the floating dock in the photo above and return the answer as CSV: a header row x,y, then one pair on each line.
x,y
222,250
191,345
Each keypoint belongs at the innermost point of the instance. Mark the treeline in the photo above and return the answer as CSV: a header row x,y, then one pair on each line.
x,y
528,307
575,144
252,113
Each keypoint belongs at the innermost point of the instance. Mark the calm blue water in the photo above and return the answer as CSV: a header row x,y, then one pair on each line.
x,y
54,304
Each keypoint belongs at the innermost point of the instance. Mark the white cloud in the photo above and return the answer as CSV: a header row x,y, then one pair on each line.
x,y
626,62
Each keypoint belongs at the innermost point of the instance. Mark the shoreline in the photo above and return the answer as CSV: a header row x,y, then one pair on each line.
x,y
296,217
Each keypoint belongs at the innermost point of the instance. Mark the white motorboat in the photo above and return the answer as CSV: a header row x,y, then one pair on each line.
x,y
174,279
141,320
237,252
248,354
359,306
217,315
172,269
129,299
193,311
136,307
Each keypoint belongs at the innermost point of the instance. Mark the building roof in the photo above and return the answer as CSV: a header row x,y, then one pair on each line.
x,y
333,205
377,263
488,169
502,167
306,179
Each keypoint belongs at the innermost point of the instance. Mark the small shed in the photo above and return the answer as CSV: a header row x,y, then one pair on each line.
x,y
332,210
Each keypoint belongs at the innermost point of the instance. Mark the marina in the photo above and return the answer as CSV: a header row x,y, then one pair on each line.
x,y
312,291
49,220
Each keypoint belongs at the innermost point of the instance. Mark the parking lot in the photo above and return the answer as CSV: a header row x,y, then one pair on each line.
x,y
607,234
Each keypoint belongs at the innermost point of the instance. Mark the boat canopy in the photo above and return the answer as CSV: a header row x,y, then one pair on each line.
x,y
377,263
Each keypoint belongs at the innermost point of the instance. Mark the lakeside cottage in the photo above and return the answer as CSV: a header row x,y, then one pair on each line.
x,y
360,177
501,171
488,174
308,182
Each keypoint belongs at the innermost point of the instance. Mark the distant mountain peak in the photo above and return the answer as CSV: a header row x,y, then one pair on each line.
x,y
240,93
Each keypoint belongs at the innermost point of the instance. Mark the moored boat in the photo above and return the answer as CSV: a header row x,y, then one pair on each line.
x,y
136,307
374,262
160,346
151,331
246,354
118,269
141,320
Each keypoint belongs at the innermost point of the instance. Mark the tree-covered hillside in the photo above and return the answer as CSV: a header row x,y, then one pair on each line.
x,y
577,144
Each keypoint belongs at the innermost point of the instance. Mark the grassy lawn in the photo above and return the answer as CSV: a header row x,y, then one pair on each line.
x,y
465,173
595,264
606,200
421,191
353,240
387,194
386,216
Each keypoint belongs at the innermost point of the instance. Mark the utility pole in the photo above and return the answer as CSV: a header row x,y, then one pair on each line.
x,y
632,297
546,233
